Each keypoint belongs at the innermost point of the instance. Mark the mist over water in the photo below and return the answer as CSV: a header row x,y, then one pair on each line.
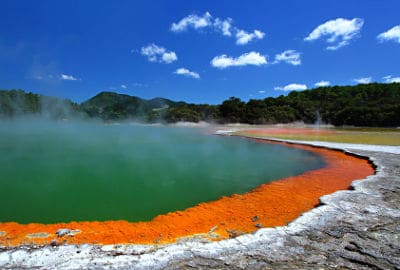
x,y
65,171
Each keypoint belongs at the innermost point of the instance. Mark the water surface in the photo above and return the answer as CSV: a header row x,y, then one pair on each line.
x,y
60,172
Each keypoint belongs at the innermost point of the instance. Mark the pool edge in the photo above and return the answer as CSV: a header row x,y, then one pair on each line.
x,y
278,245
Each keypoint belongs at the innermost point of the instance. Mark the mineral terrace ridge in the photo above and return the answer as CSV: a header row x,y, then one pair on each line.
x,y
352,229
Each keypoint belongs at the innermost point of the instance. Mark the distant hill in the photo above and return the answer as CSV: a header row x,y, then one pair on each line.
x,y
16,103
114,106
374,104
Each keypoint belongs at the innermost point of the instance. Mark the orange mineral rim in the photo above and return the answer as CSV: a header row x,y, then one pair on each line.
x,y
269,205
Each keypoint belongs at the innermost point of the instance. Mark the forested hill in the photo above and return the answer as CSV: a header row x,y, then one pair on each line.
x,y
113,106
361,105
15,103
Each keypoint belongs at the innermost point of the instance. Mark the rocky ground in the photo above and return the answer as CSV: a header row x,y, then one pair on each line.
x,y
353,229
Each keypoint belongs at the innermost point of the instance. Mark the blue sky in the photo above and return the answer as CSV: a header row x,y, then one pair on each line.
x,y
196,51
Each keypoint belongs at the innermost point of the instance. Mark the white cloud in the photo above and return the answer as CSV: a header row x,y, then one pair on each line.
x,y
159,54
251,58
123,86
289,56
224,26
322,83
138,84
169,57
187,73
261,92
243,37
339,32
68,77
292,87
193,21
391,34
363,80
391,79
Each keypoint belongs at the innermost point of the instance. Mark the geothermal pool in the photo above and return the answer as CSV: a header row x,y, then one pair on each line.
x,y
61,172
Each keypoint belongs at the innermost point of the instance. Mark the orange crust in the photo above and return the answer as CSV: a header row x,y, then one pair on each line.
x,y
269,205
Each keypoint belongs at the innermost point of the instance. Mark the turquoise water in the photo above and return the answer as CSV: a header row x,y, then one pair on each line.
x,y
59,172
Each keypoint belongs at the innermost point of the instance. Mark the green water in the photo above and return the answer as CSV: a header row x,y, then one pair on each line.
x,y
59,172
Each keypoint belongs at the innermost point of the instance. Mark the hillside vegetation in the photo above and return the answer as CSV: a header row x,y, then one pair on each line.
x,y
361,105
16,103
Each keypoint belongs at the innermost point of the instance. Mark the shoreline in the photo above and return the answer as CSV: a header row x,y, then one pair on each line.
x,y
272,246
268,205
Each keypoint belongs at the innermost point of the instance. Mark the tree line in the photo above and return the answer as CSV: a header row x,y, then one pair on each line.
x,y
374,104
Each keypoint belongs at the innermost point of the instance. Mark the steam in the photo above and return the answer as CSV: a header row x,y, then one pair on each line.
x,y
57,171
16,104
318,121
